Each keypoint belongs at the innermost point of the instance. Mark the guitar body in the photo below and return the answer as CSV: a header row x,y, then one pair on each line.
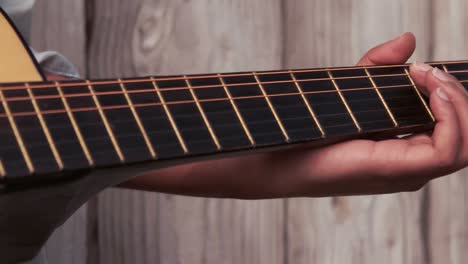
x,y
17,63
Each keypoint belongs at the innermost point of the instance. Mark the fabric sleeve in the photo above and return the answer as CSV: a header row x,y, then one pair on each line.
x,y
53,62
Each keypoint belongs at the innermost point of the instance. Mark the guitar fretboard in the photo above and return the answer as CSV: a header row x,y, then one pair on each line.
x,y
58,127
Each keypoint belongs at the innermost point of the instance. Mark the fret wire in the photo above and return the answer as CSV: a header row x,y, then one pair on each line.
x,y
236,110
2,170
45,129
17,134
309,107
348,108
202,112
262,89
169,115
419,95
381,97
76,128
138,121
106,123
446,69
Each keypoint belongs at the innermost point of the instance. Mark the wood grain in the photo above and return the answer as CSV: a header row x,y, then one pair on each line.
x,y
60,25
448,211
144,37
168,37
380,229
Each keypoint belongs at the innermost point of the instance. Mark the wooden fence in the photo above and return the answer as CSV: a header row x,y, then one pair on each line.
x,y
119,38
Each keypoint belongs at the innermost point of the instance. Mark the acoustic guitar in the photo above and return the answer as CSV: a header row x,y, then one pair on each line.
x,y
63,142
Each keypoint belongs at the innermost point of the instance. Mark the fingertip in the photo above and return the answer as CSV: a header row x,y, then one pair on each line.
x,y
408,37
395,51
418,72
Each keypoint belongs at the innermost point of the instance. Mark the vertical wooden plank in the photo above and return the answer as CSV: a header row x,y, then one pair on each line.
x,y
380,229
448,213
168,37
60,25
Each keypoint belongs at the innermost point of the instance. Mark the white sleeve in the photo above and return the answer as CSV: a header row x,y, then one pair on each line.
x,y
54,62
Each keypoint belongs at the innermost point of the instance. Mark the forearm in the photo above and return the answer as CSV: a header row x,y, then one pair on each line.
x,y
239,177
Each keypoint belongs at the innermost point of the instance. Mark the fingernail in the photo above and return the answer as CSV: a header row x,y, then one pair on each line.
x,y
443,76
440,92
423,67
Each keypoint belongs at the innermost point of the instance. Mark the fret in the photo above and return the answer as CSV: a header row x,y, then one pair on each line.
x,y
106,122
419,95
363,100
31,132
2,170
254,109
169,115
101,149
381,97
444,67
17,161
187,116
402,100
76,129
344,101
321,94
290,107
309,107
236,110
459,70
273,111
45,129
122,123
58,127
220,112
154,120
202,112
138,120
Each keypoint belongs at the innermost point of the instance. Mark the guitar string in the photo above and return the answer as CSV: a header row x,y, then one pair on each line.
x,y
38,97
294,106
143,90
123,136
224,75
32,86
400,118
224,99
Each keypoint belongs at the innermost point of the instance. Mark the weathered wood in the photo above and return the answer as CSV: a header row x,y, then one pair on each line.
x,y
380,229
448,212
129,38
168,37
60,25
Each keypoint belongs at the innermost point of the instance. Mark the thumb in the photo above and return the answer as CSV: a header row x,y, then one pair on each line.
x,y
396,51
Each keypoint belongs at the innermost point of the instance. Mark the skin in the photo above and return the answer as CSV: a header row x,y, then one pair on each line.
x,y
358,167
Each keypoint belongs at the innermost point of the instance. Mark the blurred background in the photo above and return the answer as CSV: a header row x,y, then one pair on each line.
x,y
123,38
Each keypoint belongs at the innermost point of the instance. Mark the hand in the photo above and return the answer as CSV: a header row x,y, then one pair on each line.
x,y
351,168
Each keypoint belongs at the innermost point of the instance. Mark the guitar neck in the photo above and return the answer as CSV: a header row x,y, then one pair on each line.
x,y
49,128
